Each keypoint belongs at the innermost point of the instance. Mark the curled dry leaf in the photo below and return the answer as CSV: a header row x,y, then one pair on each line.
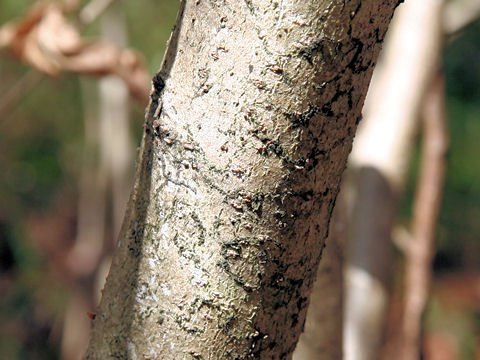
x,y
44,39
19,37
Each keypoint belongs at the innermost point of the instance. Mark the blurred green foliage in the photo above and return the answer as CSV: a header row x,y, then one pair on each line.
x,y
459,229
457,247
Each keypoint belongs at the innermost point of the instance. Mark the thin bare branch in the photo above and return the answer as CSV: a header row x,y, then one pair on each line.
x,y
425,215
93,10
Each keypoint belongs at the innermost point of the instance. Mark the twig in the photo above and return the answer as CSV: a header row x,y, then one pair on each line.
x,y
425,215
93,10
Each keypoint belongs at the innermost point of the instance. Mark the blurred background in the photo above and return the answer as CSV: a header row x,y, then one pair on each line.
x,y
72,99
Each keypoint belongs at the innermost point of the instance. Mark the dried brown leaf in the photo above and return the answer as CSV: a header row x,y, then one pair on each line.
x,y
45,39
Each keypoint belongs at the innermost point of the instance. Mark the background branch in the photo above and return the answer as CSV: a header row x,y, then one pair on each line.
x,y
425,215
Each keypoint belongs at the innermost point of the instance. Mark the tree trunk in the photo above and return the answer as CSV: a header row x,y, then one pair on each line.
x,y
250,122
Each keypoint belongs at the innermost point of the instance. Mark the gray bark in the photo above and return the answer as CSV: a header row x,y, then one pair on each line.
x,y
251,119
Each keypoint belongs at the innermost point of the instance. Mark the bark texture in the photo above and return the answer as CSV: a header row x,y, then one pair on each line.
x,y
251,119
322,336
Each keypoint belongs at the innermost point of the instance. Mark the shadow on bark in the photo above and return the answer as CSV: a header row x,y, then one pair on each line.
x,y
122,309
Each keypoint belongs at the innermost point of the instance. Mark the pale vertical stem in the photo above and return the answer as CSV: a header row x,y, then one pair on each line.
x,y
93,10
86,252
379,164
108,160
425,214
116,140
395,96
